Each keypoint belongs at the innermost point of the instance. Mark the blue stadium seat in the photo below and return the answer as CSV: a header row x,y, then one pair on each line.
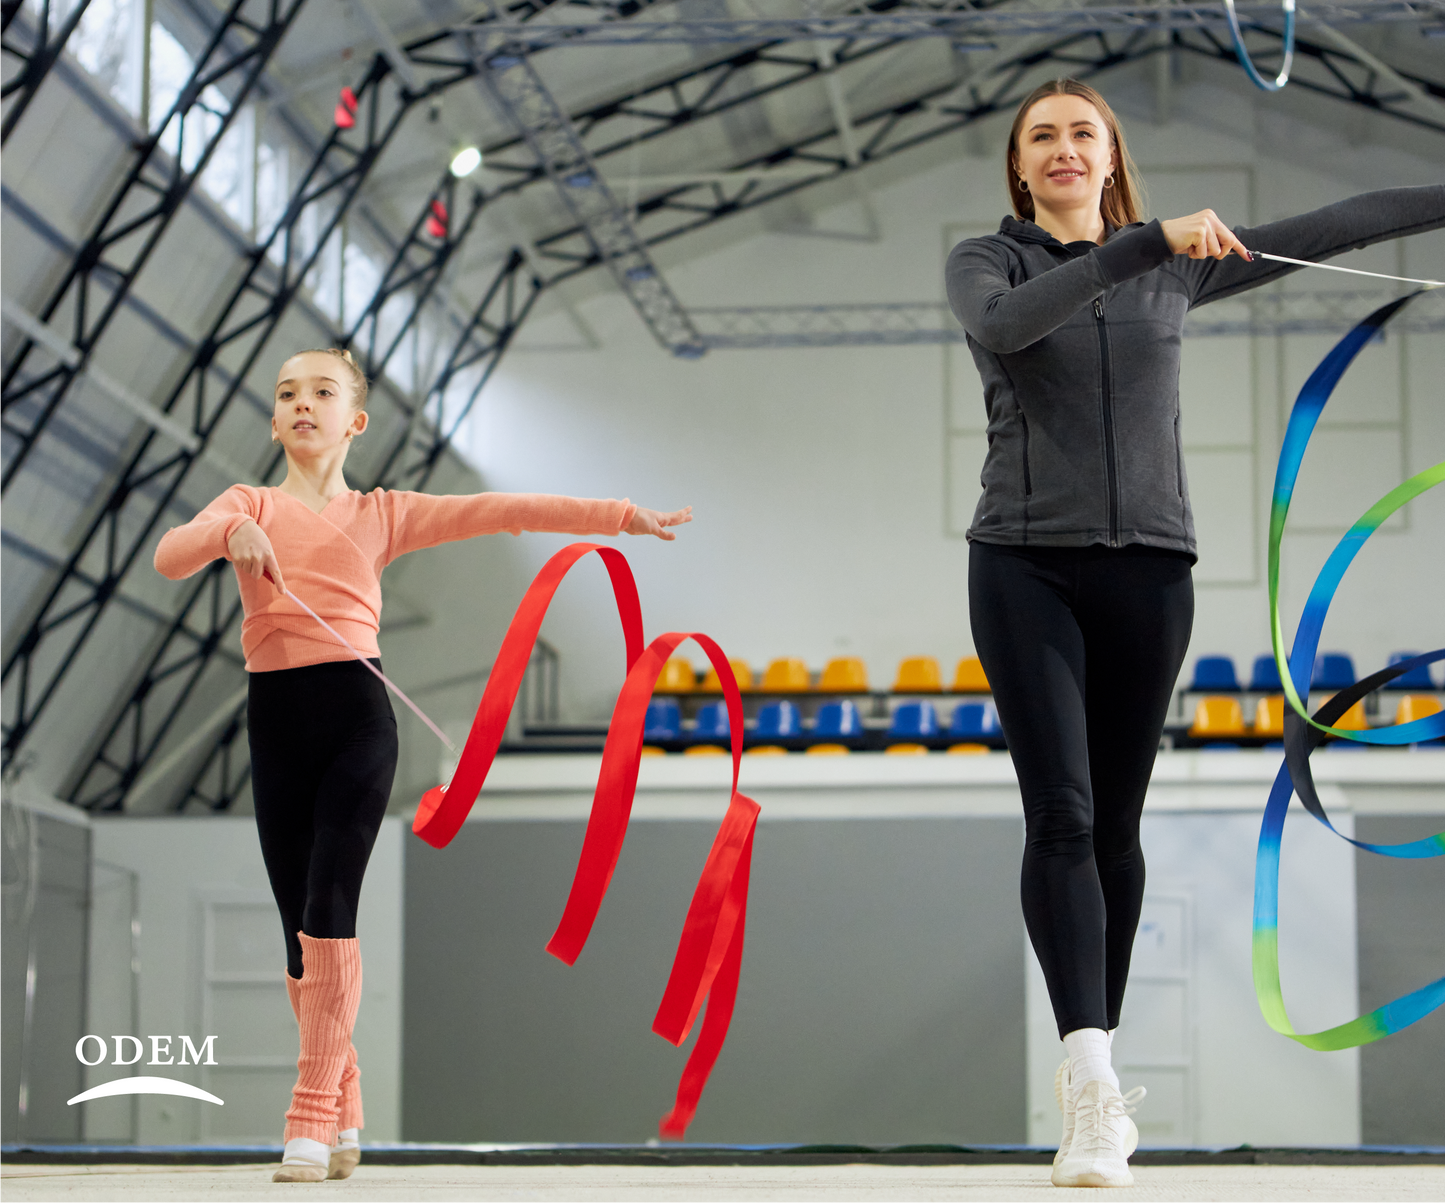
x,y
914,719
779,721
712,722
838,720
1333,670
1264,677
1418,678
663,721
1214,674
975,720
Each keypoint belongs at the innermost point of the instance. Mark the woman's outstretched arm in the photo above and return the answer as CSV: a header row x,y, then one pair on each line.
x,y
1004,317
1321,234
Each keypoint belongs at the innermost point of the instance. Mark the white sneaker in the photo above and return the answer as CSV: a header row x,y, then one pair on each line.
x,y
1104,1137
1064,1096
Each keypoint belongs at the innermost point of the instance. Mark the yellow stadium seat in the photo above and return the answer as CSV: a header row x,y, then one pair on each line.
x,y
766,750
678,676
905,750
967,749
844,674
649,750
829,750
741,670
705,750
1217,717
1353,719
969,677
1416,705
1269,716
918,674
786,676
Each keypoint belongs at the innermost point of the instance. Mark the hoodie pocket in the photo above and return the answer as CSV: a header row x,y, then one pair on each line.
x,y
1028,480
1178,457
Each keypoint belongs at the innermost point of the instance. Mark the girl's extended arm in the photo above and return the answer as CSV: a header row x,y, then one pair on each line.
x,y
1004,317
423,519
1348,225
185,550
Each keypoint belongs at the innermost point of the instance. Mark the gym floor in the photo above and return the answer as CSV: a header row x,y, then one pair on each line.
x,y
1245,1182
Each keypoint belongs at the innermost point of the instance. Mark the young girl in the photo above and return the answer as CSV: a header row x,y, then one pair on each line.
x,y
323,737
1080,594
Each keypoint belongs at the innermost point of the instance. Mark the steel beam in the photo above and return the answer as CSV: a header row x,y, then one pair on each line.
x,y
959,24
35,54
518,91
925,323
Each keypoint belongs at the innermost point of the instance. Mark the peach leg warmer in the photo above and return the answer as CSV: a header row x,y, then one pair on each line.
x,y
328,996
352,1115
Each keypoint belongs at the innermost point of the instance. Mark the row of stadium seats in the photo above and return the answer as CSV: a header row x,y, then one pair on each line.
x,y
1222,717
836,720
900,749
1332,671
842,674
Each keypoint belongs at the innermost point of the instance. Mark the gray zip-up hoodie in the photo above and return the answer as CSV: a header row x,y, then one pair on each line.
x,y
1078,347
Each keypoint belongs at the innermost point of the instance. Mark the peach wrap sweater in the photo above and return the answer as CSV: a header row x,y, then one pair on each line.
x,y
333,560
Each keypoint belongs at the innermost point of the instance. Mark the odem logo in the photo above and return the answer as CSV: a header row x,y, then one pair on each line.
x,y
161,1054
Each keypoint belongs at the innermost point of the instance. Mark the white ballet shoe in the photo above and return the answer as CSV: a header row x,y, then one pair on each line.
x,y
305,1160
1104,1138
346,1154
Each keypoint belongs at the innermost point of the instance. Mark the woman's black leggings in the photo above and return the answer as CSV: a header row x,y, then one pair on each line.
x,y
323,754
1082,647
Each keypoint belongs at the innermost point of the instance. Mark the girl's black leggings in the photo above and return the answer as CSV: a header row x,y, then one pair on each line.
x,y
323,755
1082,648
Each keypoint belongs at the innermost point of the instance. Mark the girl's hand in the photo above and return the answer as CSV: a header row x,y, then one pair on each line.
x,y
1203,236
650,522
252,553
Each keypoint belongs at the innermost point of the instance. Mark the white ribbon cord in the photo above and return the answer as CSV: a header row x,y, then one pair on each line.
x,y
335,634
1354,271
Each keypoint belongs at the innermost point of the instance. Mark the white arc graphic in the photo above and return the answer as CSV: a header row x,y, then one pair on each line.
x,y
1354,271
145,1085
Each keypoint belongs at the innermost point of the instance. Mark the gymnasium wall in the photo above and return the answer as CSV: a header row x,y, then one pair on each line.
x,y
832,486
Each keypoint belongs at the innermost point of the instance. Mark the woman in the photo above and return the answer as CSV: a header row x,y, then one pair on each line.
x,y
1080,596
322,733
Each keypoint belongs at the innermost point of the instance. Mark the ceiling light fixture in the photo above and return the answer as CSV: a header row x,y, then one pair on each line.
x,y
466,161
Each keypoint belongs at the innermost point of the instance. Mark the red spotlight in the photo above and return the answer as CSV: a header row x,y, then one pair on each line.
x,y
436,222
346,109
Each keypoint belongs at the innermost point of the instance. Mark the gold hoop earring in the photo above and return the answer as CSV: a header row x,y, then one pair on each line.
x,y
1023,184
1109,183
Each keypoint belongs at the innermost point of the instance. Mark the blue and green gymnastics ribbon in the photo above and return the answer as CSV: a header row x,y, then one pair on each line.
x,y
1304,732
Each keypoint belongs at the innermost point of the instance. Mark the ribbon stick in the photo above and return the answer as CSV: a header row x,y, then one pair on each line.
x,y
376,672
1305,732
1353,271
708,963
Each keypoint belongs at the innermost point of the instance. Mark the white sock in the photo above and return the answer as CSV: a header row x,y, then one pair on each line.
x,y
348,1138
1088,1050
1111,1039
304,1149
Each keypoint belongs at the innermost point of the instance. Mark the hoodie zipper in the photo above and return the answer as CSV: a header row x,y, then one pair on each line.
x,y
1106,403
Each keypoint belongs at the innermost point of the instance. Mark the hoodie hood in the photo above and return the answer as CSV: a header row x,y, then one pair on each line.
x,y
1026,231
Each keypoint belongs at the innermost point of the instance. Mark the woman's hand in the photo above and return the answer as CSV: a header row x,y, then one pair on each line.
x,y
252,553
650,522
1203,236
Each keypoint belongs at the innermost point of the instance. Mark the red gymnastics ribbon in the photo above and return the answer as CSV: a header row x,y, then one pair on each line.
x,y
709,954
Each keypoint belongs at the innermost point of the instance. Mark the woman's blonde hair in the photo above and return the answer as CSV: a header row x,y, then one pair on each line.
x,y
355,375
1120,203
